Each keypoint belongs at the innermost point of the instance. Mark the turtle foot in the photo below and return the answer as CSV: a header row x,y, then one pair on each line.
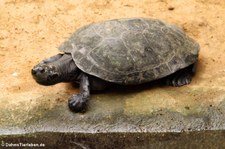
x,y
78,103
179,80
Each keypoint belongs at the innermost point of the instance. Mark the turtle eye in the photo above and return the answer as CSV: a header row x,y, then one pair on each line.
x,y
53,76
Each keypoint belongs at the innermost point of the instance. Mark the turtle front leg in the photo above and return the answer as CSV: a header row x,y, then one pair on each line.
x,y
78,102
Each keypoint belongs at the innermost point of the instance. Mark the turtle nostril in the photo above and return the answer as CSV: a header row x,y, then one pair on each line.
x,y
33,71
42,70
36,70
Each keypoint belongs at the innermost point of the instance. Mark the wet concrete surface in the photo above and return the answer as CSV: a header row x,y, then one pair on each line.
x,y
31,31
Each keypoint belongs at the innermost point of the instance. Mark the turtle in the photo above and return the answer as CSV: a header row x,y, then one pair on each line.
x,y
125,51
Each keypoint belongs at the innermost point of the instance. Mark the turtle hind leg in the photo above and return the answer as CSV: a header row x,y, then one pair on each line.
x,y
181,77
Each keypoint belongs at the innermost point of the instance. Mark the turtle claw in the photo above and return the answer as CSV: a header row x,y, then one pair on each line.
x,y
78,103
182,80
181,77
179,80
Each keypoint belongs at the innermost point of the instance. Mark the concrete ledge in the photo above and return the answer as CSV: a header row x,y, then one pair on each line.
x,y
108,124
159,109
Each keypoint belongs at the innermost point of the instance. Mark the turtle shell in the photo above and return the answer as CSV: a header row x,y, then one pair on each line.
x,y
131,51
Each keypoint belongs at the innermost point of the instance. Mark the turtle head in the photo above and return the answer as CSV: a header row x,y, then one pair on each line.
x,y
59,68
46,74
